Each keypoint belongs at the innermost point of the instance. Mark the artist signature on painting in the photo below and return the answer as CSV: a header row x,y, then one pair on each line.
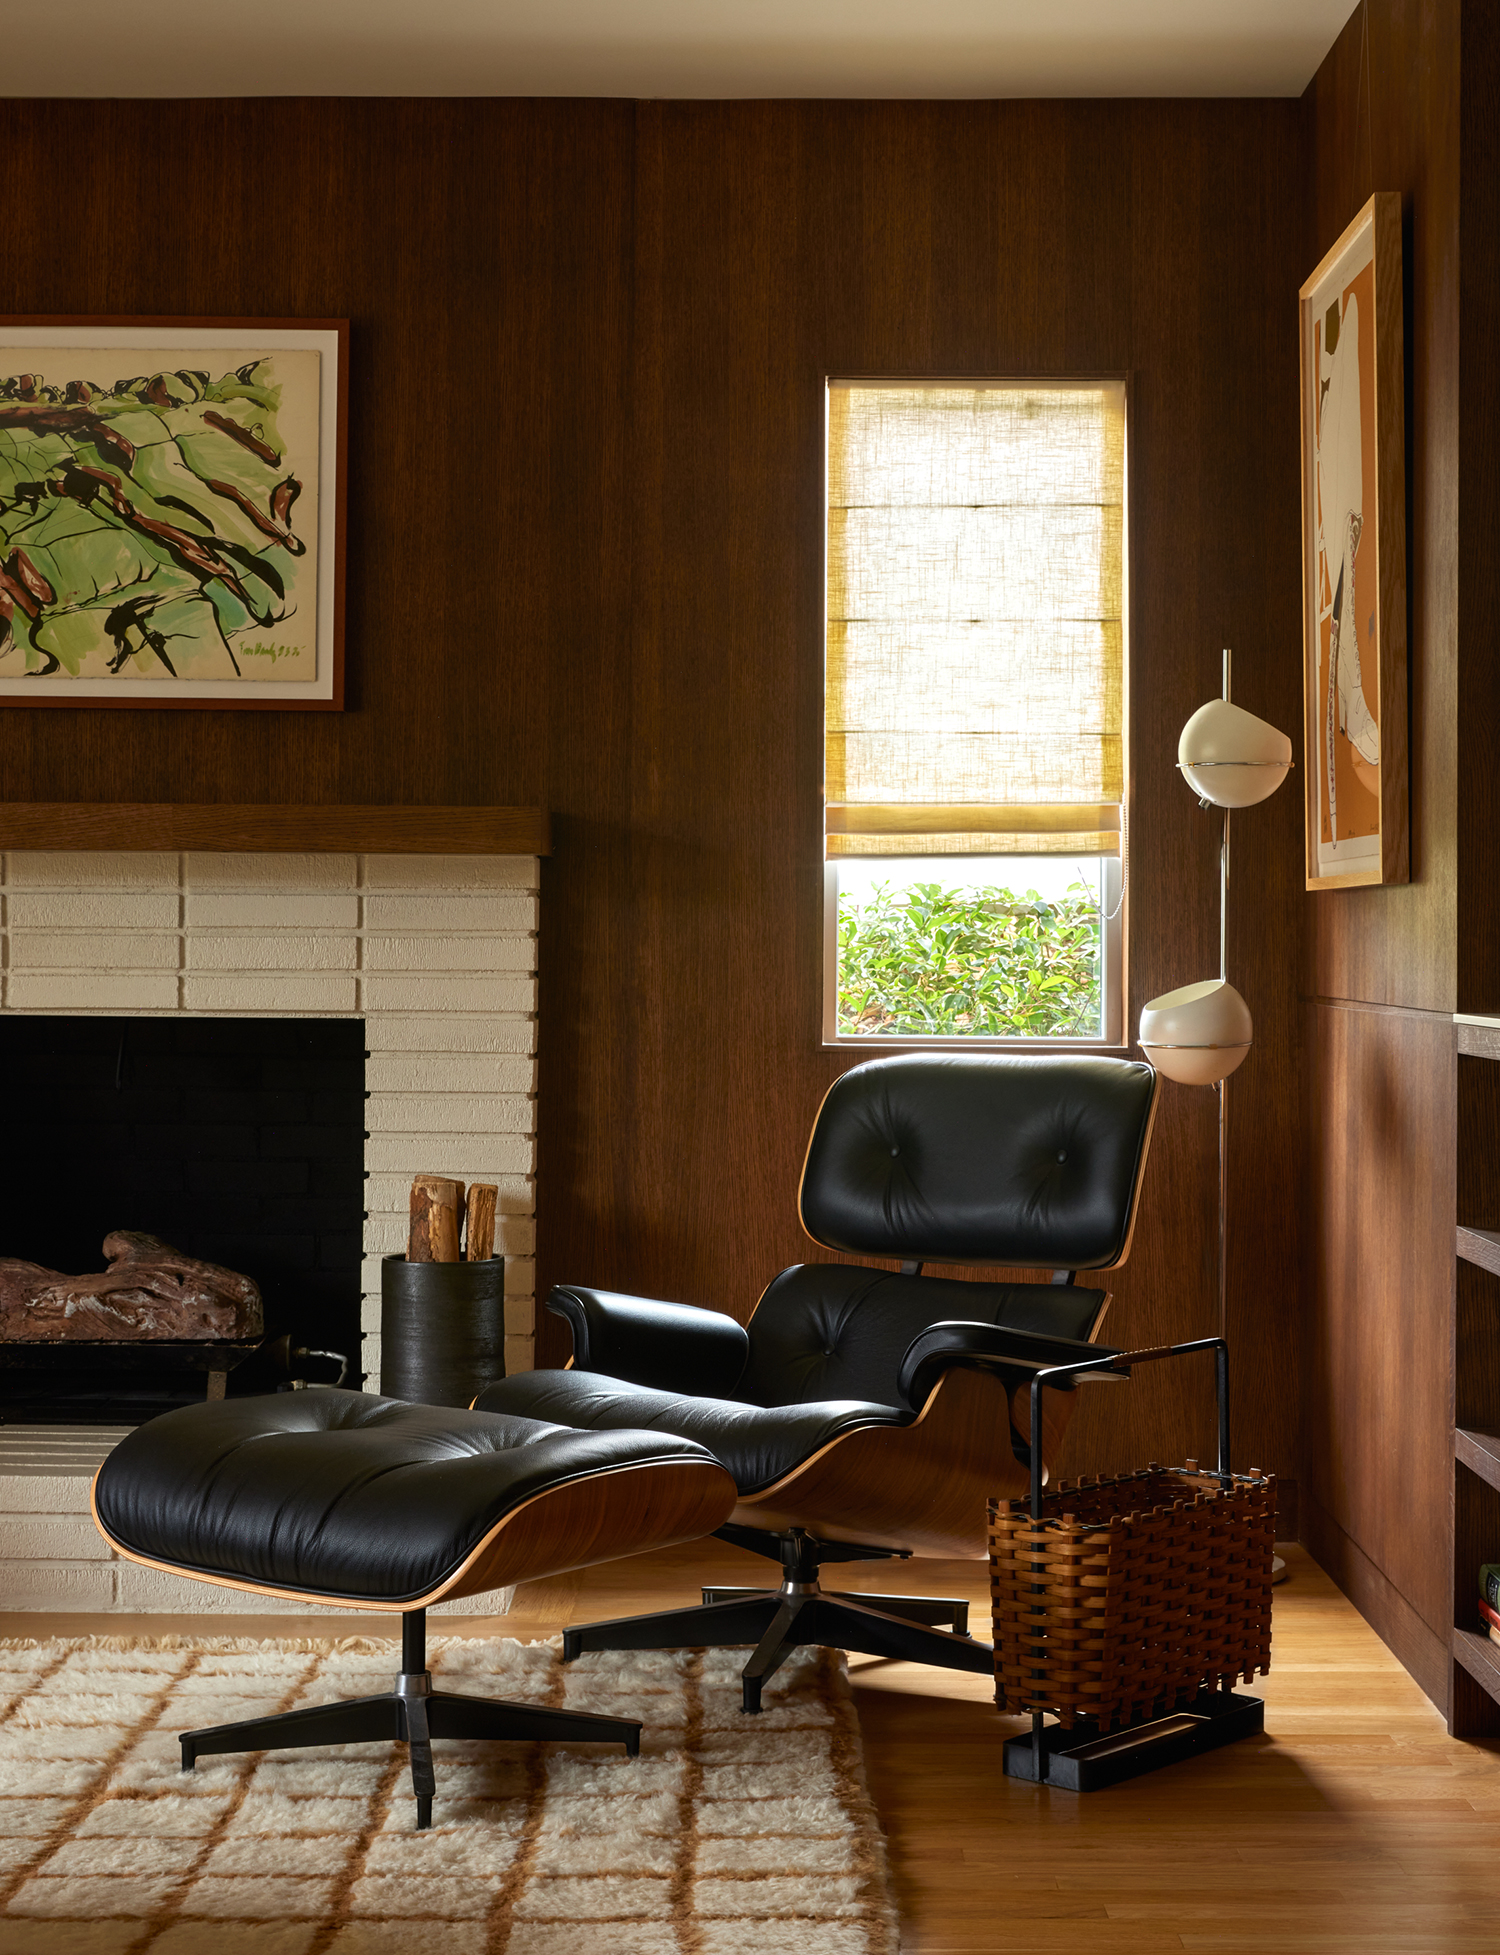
x,y
272,652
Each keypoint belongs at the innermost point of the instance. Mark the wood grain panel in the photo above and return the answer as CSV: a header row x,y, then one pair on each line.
x,y
1377,1370
1388,1111
1480,1658
470,244
1476,1368
219,826
1478,987
589,342
1477,1042
1424,1651
1480,1452
1479,1246
776,244
857,1488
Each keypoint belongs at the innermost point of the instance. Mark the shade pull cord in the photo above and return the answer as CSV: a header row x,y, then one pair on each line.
x,y
1110,915
1224,857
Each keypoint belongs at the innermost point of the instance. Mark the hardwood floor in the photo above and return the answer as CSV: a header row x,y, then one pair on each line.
x,y
1354,1825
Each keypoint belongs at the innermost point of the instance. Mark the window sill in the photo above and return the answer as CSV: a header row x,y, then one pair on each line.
x,y
878,1047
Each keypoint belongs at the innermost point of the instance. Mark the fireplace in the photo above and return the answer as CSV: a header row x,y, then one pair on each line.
x,y
240,1141
410,934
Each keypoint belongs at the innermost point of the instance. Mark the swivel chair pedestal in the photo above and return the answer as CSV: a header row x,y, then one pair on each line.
x,y
798,1615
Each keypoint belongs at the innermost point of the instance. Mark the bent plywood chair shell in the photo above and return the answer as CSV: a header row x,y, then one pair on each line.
x,y
958,1450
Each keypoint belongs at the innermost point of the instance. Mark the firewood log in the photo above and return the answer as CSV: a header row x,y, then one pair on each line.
x,y
484,1197
435,1205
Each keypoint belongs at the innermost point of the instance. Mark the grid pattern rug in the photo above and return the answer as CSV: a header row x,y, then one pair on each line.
x,y
727,1836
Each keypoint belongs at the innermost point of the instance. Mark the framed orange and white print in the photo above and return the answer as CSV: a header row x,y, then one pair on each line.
x,y
1354,557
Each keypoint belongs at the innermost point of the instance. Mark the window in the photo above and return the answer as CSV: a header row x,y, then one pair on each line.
x,y
974,693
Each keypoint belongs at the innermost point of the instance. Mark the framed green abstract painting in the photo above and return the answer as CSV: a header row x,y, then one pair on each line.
x,y
172,512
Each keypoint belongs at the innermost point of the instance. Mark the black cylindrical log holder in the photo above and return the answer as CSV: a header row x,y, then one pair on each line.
x,y
442,1329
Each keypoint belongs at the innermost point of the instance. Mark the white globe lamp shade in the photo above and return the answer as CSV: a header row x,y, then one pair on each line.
x,y
1197,1035
1232,758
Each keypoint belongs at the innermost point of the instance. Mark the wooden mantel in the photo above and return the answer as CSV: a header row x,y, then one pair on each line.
x,y
248,828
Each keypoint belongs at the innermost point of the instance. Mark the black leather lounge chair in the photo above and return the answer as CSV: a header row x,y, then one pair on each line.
x,y
866,1413
367,1503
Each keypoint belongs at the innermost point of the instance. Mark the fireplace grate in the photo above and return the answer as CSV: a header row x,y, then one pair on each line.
x,y
238,1140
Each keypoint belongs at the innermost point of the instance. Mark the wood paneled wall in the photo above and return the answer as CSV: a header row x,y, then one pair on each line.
x,y
483,256
585,571
1382,965
1478,786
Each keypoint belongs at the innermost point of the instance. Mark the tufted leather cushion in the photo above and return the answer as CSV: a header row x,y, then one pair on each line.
x,y
340,1493
832,1330
1027,1162
755,1444
672,1347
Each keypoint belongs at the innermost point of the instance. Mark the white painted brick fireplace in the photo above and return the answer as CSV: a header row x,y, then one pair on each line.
x,y
436,953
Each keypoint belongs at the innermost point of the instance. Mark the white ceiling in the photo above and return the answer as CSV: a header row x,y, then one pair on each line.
x,y
695,48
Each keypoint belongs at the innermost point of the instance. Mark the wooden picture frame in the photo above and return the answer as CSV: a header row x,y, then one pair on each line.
x,y
1354,557
172,513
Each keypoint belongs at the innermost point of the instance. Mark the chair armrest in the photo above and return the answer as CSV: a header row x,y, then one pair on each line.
x,y
672,1347
987,1347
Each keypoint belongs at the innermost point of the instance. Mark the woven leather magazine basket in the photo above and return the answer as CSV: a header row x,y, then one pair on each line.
x,y
1132,1593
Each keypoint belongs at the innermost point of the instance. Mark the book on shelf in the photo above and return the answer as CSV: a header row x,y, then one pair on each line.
x,y
1489,1583
1488,1618
1493,1633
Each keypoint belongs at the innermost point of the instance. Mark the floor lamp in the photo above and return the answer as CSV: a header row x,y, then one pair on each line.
x,y
1199,1035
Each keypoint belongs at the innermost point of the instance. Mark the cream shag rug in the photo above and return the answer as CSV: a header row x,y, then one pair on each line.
x,y
727,1836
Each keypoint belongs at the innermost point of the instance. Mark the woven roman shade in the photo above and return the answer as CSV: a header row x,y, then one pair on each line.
x,y
975,652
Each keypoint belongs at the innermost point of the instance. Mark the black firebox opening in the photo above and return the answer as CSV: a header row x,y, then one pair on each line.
x,y
238,1140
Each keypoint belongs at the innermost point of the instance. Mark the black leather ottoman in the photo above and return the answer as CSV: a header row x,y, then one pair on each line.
x,y
369,1503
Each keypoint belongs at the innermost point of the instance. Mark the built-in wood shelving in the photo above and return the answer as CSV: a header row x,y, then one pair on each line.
x,y
1480,1452
252,828
1481,1246
1474,1693
1478,1038
1474,1684
1480,1657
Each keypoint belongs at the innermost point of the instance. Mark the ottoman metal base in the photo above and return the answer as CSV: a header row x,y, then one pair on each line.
x,y
415,1713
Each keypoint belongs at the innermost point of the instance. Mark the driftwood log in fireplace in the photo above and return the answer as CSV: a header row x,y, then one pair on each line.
x,y
152,1308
